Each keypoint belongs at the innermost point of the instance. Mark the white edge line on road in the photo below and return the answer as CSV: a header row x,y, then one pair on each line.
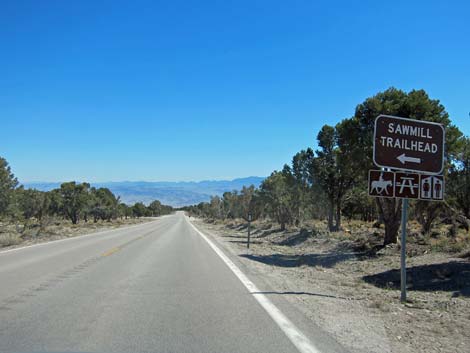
x,y
300,341
73,238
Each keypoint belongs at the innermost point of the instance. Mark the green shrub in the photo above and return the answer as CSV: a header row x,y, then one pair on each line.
x,y
448,245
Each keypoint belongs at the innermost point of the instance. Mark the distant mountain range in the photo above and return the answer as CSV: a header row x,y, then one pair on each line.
x,y
176,194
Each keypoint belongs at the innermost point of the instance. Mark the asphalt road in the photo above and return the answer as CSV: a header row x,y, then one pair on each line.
x,y
154,287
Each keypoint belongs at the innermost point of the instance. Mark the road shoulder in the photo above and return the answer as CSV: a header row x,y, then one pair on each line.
x,y
274,292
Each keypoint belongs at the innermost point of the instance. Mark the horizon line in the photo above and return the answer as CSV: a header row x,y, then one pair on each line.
x,y
136,181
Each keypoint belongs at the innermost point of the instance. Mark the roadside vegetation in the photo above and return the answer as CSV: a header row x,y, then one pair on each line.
x,y
330,183
349,284
333,251
29,215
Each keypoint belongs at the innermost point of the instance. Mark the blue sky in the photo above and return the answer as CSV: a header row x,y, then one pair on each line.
x,y
181,90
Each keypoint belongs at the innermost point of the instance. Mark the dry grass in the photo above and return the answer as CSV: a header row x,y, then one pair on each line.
x,y
363,236
379,305
438,281
10,239
449,245
14,234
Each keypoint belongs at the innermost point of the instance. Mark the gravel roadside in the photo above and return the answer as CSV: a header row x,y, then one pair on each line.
x,y
356,298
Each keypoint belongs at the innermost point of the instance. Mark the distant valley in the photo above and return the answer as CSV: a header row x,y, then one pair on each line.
x,y
176,194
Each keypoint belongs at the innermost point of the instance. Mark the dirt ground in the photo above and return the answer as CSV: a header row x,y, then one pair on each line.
x,y
14,235
352,291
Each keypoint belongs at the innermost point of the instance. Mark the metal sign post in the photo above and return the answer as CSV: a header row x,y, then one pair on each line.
x,y
249,226
404,213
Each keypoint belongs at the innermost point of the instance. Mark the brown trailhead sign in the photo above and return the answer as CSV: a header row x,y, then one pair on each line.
x,y
408,144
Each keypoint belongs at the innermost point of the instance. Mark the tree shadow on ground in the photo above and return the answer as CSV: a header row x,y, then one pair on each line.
x,y
242,226
265,233
239,226
451,276
295,239
262,228
234,236
300,293
244,241
323,260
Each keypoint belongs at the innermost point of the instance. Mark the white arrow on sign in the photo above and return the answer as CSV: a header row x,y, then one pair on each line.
x,y
403,159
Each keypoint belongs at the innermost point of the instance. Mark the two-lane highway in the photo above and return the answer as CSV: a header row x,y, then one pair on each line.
x,y
155,287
